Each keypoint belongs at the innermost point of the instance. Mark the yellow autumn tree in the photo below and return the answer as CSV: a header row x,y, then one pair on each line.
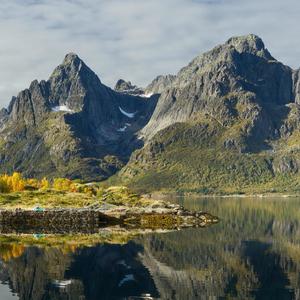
x,y
15,183
44,184
18,183
62,184
33,183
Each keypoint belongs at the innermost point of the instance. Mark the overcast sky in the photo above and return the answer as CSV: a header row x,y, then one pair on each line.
x,y
133,39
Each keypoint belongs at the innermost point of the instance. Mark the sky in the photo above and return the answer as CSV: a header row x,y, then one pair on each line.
x,y
133,39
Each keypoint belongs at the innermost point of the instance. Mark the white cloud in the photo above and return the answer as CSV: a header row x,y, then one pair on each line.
x,y
133,39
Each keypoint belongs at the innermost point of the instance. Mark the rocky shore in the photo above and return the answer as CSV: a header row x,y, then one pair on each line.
x,y
90,219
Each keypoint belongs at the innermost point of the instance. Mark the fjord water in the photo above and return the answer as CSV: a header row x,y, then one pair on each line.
x,y
252,253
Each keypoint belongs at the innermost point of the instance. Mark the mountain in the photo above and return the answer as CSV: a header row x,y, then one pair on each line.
x,y
229,121
71,125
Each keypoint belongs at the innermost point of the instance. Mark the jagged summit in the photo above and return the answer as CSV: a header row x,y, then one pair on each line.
x,y
127,87
71,57
242,66
123,85
71,64
70,82
249,44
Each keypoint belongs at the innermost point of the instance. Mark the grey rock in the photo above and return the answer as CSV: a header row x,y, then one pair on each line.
x,y
242,69
296,86
159,84
286,164
126,87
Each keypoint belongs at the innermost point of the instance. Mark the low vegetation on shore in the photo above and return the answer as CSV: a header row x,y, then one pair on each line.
x,y
17,191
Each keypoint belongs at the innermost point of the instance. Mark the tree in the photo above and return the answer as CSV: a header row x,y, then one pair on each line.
x,y
44,184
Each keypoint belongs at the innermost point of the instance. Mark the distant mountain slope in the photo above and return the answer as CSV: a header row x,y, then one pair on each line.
x,y
228,121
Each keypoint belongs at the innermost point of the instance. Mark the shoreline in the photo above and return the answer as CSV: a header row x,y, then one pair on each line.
x,y
159,215
170,195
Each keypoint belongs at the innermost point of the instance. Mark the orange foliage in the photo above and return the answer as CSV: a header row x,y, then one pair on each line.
x,y
17,183
9,251
14,183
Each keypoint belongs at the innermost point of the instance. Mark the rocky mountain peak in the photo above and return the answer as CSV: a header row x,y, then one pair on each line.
x,y
126,87
71,118
241,66
123,85
70,67
249,44
70,82
71,58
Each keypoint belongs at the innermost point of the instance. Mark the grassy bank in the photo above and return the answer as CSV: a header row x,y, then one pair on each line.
x,y
52,198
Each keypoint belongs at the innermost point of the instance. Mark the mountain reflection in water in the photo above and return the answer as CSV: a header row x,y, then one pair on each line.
x,y
253,253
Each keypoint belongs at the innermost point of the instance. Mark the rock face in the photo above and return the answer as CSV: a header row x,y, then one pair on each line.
x,y
159,84
296,86
241,70
71,125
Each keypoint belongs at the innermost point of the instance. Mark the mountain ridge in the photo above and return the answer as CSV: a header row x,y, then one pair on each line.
x,y
73,117
229,120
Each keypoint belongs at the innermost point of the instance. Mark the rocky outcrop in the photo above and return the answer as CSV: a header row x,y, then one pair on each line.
x,y
126,87
296,86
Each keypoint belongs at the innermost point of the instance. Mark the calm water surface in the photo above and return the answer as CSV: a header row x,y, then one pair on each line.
x,y
253,253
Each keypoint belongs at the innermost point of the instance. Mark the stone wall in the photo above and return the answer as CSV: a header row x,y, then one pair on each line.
x,y
54,221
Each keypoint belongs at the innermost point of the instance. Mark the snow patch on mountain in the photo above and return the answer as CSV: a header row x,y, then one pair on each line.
x,y
127,114
62,108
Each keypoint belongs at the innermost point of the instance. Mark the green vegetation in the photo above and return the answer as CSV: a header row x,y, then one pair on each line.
x,y
46,199
17,191
204,157
52,198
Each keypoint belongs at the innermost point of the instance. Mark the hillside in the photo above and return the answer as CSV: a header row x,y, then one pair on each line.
x,y
228,122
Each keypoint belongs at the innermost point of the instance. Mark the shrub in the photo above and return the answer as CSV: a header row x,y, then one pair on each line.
x,y
44,184
63,184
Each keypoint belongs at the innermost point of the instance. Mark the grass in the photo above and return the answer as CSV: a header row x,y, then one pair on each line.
x,y
117,195
191,157
46,199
